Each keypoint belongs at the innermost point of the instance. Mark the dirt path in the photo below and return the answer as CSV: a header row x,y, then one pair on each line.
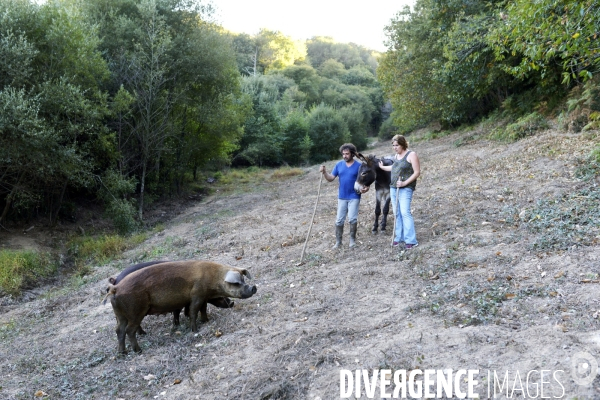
x,y
479,293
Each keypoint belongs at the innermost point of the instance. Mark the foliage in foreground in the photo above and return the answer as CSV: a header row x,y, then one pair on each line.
x,y
22,268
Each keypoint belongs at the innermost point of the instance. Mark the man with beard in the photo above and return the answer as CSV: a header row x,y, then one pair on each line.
x,y
348,199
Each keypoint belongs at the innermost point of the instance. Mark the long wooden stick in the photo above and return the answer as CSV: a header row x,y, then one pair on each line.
x,y
395,217
312,219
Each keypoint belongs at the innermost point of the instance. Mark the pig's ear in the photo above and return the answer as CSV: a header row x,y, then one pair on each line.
x,y
233,277
246,272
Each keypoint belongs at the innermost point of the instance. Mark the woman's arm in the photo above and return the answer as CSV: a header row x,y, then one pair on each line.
x,y
385,167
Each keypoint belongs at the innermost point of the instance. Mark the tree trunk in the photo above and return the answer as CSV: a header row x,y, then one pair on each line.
x,y
142,185
9,199
57,208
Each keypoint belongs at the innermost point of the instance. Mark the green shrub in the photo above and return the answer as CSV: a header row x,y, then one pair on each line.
x,y
388,129
98,249
328,131
20,268
119,206
583,108
523,127
296,142
123,215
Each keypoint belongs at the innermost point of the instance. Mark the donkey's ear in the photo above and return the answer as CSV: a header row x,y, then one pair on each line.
x,y
361,157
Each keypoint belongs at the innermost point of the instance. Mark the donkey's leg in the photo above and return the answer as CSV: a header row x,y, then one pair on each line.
x,y
377,214
386,210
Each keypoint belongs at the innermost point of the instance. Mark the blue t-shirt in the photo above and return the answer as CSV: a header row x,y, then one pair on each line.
x,y
347,178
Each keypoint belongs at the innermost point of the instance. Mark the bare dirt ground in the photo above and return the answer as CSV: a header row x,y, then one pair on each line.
x,y
481,292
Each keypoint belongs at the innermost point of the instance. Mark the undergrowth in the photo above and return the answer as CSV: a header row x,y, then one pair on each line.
x,y
21,268
570,220
286,172
479,303
522,127
101,249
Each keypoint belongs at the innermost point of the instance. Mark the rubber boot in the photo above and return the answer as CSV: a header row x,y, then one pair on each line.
x,y
339,231
353,234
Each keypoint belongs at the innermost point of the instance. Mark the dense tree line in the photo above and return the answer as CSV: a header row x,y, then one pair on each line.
x,y
454,61
303,109
123,101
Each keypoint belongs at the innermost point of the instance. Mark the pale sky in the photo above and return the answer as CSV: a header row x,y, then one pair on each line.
x,y
361,24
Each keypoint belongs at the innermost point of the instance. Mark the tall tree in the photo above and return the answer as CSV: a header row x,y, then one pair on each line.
x,y
180,72
53,102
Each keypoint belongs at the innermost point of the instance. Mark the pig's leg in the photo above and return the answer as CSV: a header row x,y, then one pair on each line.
x,y
121,330
203,315
176,317
131,330
195,306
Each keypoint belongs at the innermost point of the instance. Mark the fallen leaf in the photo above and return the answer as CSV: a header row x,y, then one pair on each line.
x,y
509,296
150,377
40,393
218,333
498,253
177,382
491,278
472,265
558,275
509,278
543,274
553,294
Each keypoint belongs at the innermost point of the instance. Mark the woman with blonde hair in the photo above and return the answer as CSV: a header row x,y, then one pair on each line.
x,y
405,171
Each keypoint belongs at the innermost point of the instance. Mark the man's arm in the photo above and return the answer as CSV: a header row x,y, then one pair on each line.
x,y
326,174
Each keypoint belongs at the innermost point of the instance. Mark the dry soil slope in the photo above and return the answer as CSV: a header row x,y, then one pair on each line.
x,y
473,295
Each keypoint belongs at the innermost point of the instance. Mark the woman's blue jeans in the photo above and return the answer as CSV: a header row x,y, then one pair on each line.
x,y
347,207
405,224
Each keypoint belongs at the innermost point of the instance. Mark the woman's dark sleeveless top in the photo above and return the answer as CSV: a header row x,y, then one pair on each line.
x,y
403,169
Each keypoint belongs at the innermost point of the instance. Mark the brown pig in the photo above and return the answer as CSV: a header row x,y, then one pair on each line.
x,y
221,302
170,286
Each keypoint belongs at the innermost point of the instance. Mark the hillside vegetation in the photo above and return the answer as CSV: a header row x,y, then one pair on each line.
x,y
504,279
124,104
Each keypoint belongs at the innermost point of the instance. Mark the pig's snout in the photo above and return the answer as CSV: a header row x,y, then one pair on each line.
x,y
249,291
